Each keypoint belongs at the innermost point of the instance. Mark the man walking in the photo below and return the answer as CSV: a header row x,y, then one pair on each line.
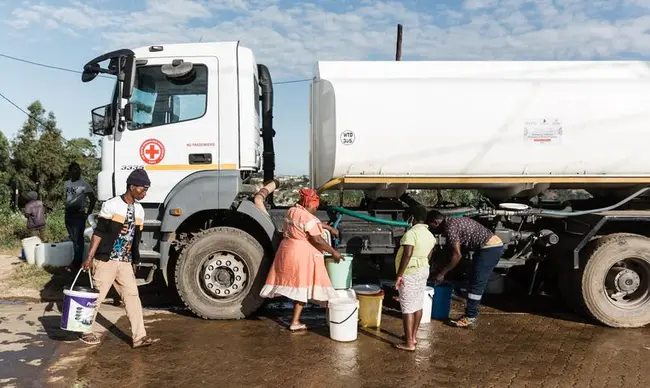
x,y
114,253
466,233
77,190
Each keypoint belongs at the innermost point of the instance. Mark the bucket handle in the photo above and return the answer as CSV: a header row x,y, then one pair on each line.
x,y
349,316
75,279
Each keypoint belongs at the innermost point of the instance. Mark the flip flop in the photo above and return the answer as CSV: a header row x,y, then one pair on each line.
x,y
299,327
144,341
90,339
404,347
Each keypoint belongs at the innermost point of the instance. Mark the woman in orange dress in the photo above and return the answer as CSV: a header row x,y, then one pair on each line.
x,y
298,270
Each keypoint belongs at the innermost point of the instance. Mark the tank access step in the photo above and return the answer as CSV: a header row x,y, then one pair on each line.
x,y
152,267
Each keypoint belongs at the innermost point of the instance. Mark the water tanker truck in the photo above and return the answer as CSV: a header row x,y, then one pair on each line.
x,y
199,119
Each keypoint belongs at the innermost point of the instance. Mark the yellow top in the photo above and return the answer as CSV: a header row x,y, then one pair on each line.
x,y
422,241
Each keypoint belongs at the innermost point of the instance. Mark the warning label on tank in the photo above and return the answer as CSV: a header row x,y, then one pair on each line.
x,y
543,131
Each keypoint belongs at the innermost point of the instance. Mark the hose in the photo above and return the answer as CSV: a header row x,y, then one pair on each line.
x,y
368,218
604,209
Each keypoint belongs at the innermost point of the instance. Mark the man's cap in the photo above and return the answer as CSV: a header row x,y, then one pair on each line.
x,y
138,177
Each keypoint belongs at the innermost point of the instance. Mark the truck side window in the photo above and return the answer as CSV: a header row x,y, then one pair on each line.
x,y
158,100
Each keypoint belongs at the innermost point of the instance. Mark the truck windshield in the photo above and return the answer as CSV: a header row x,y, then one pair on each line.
x,y
158,100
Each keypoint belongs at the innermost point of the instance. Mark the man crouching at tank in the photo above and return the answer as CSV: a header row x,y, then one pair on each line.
x,y
467,234
114,252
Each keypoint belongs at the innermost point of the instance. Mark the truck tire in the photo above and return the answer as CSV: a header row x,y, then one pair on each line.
x,y
220,273
617,264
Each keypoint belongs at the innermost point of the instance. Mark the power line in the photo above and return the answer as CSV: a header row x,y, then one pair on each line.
x,y
52,67
30,116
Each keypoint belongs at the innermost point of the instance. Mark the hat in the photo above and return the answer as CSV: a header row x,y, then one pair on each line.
x,y
138,177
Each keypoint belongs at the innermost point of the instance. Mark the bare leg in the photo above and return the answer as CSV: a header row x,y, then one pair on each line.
x,y
417,317
295,319
408,323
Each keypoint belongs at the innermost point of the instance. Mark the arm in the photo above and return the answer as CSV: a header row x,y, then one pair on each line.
x,y
454,260
406,258
92,199
101,231
313,231
333,231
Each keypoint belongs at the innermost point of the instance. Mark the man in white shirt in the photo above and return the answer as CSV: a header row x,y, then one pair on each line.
x,y
79,203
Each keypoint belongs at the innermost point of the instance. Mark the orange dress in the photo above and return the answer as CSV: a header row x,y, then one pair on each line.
x,y
298,270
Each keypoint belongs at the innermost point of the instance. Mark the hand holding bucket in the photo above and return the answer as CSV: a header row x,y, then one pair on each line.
x,y
79,305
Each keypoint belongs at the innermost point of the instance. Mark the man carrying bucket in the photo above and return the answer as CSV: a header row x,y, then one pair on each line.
x,y
114,252
466,233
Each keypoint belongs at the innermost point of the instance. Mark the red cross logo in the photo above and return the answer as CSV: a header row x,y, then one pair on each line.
x,y
152,151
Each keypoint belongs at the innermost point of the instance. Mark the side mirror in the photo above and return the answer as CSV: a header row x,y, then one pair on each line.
x,y
128,112
129,76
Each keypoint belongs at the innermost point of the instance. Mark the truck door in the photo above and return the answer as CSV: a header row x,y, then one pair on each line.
x,y
175,126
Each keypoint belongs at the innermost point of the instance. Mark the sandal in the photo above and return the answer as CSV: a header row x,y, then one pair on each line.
x,y
299,327
402,346
144,341
90,338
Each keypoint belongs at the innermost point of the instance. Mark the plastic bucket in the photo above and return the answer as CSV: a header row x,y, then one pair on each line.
x,y
427,304
343,319
79,306
441,301
341,294
29,247
370,309
340,273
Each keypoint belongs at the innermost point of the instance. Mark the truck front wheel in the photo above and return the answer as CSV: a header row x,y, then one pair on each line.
x,y
615,280
220,273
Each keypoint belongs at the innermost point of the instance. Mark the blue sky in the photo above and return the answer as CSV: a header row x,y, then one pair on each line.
x,y
289,36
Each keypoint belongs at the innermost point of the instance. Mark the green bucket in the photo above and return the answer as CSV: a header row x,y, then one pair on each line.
x,y
340,273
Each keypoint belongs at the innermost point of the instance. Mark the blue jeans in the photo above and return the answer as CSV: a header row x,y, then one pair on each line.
x,y
483,264
75,224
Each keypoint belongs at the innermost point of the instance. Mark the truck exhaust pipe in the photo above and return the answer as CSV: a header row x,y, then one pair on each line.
x,y
268,156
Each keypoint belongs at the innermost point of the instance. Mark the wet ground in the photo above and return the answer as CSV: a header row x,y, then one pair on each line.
x,y
525,343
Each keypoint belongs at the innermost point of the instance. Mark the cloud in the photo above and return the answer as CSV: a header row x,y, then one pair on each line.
x,y
290,37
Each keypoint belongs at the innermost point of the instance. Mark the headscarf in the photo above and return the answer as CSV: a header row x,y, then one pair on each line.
x,y
308,198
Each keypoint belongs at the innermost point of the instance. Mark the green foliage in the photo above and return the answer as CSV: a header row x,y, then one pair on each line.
x,y
37,159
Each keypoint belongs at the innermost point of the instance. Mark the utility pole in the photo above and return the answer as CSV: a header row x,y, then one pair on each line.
x,y
398,51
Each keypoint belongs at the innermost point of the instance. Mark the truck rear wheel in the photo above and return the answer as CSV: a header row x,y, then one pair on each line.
x,y
219,276
615,280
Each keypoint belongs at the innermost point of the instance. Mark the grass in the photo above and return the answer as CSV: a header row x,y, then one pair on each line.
x,y
29,276
13,228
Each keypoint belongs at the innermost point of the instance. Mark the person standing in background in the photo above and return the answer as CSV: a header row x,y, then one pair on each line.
x,y
79,203
34,211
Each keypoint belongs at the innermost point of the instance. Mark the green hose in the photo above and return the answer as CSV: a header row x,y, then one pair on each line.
x,y
368,218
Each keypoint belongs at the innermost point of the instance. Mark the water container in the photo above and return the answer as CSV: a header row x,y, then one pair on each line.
x,y
54,255
342,294
340,273
427,304
79,307
343,319
29,247
370,307
441,301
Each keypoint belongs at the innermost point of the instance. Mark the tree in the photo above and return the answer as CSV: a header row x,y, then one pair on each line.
x,y
5,172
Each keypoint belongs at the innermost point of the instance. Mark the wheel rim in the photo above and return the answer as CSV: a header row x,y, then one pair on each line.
x,y
627,283
224,275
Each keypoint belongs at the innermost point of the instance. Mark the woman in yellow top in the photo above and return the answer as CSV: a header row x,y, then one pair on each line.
x,y
412,264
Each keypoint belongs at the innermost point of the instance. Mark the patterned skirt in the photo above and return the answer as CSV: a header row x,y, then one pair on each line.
x,y
411,292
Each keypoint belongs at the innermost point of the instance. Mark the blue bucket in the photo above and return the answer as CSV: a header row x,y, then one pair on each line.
x,y
441,301
79,305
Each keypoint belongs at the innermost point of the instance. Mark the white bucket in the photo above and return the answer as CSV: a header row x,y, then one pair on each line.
x,y
342,294
54,255
29,247
343,319
79,305
427,305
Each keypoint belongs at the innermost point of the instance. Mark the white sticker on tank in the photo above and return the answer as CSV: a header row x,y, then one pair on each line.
x,y
543,131
347,137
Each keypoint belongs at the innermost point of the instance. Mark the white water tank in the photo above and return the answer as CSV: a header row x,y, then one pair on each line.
x,y
497,126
